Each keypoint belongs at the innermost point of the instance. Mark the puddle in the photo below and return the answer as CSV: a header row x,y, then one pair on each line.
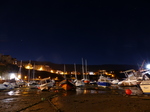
x,y
8,100
15,93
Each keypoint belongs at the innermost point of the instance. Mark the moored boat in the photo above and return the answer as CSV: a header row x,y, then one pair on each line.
x,y
115,82
145,86
79,83
131,80
86,81
93,82
103,82
145,83
33,85
6,86
46,84
67,84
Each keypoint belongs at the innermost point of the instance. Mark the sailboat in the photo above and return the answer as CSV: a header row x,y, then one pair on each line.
x,y
86,80
33,84
20,82
66,84
78,83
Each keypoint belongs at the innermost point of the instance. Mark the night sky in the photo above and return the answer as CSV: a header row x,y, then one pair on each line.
x,y
64,32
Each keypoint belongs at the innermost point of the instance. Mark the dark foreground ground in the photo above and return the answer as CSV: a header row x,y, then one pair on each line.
x,y
80,100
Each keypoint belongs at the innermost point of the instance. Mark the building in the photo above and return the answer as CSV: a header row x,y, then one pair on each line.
x,y
7,59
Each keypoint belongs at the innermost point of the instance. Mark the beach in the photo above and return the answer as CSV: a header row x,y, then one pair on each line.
x,y
79,100
107,102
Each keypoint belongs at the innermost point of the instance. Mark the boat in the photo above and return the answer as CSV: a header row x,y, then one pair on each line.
x,y
103,82
145,83
6,86
131,80
93,82
86,81
46,84
85,75
67,85
145,86
34,84
78,83
115,81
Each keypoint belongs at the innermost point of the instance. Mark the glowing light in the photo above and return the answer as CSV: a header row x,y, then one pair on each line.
x,y
25,77
29,67
13,76
61,73
19,76
148,66
112,75
41,69
91,73
52,71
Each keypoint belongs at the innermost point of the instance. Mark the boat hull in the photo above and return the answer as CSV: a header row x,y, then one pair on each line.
x,y
128,83
46,84
145,89
145,86
104,84
86,81
67,85
79,83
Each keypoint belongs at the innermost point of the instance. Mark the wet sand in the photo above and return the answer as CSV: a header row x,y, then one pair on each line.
x,y
109,102
106,100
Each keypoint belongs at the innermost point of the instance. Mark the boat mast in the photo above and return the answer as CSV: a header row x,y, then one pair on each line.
x,y
64,71
20,67
83,68
33,71
29,71
86,69
75,70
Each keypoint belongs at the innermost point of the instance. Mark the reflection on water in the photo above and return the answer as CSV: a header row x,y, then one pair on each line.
x,y
8,100
17,92
22,91
119,90
91,91
79,90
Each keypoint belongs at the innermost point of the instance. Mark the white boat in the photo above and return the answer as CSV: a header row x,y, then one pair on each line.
x,y
145,83
131,80
115,82
103,82
93,82
6,86
46,84
79,83
145,86
34,84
